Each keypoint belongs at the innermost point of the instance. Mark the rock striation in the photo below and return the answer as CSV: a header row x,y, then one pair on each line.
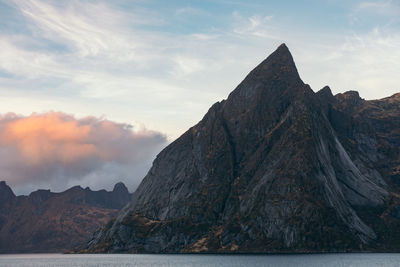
x,y
55,222
273,168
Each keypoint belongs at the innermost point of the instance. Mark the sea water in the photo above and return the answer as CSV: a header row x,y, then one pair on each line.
x,y
125,260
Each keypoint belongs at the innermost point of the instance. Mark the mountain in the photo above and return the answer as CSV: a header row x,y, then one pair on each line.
x,y
273,168
6,193
55,222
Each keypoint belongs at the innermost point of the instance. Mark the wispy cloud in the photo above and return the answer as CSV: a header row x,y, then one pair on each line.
x,y
386,7
191,11
133,64
87,29
383,12
25,63
256,25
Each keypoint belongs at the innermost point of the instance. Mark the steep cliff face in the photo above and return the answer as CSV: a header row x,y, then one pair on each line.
x,y
273,168
55,222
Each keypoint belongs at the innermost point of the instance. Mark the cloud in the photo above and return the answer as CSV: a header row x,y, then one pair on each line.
x,y
256,25
388,7
386,12
164,65
364,62
160,66
57,150
190,11
89,29
24,63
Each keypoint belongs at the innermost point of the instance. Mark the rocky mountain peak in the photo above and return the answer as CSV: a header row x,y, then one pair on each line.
x,y
325,92
349,96
326,98
76,188
6,193
273,168
349,100
393,98
278,66
40,195
265,94
120,188
280,57
280,62
3,184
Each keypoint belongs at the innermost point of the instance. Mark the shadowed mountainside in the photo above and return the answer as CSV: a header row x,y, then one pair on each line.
x,y
273,168
55,222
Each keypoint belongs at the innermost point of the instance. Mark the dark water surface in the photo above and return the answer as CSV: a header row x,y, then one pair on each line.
x,y
60,260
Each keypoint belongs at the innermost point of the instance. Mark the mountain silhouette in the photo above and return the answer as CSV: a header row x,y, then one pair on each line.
x,y
273,168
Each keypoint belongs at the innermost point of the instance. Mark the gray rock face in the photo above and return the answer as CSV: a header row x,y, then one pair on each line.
x,y
273,168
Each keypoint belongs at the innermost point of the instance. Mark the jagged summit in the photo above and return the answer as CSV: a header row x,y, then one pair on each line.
x,y
76,188
277,72
326,91
325,98
6,193
280,62
281,57
274,168
350,94
120,188
282,46
41,195
3,184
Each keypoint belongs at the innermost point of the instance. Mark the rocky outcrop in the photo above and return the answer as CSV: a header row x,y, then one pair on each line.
x,y
115,199
55,222
6,194
273,168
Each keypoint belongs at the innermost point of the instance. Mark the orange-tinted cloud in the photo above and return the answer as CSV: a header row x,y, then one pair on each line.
x,y
58,150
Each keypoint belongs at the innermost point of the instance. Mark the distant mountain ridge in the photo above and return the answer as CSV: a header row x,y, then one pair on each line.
x,y
273,168
46,221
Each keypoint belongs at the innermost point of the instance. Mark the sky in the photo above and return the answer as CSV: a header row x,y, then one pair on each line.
x,y
91,91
